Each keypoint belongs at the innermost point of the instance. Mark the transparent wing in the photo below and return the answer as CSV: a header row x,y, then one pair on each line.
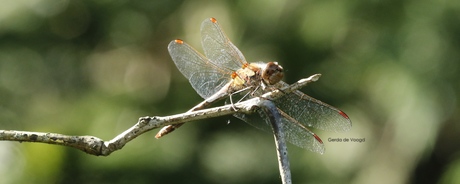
x,y
204,76
218,48
293,133
312,112
300,112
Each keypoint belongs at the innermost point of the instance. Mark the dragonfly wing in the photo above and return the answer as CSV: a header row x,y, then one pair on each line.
x,y
218,48
293,132
312,112
204,76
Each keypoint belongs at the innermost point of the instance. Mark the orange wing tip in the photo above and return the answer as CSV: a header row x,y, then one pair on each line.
x,y
343,114
213,20
317,138
179,41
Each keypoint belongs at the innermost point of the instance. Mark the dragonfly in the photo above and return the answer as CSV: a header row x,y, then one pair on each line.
x,y
224,71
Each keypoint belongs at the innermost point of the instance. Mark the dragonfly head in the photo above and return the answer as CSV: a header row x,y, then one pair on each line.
x,y
272,73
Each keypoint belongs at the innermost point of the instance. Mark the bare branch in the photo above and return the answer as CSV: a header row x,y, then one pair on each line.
x,y
96,146
274,118
88,144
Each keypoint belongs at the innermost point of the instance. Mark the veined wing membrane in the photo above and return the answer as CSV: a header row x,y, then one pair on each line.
x,y
293,132
218,48
301,136
204,76
300,112
312,112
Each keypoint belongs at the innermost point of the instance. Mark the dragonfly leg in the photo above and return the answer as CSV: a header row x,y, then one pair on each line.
x,y
231,102
246,95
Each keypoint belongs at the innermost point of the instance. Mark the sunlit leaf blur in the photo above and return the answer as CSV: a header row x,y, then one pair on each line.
x,y
95,67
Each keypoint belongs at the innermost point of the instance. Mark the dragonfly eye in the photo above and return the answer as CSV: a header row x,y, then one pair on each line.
x,y
272,73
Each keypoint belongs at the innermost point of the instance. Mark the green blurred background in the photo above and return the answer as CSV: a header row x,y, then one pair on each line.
x,y
95,67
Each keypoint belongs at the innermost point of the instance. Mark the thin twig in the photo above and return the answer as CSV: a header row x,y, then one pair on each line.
x,y
96,146
274,117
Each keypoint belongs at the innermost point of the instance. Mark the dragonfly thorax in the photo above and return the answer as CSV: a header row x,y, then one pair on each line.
x,y
254,75
247,76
